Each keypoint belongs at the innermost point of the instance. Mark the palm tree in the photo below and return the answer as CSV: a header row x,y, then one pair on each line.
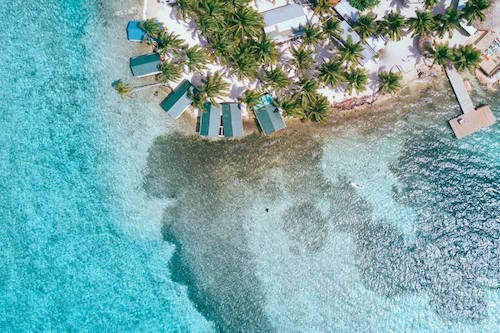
x,y
152,27
244,63
429,4
196,59
447,22
393,25
302,60
265,51
322,8
357,79
184,8
474,9
389,82
331,28
440,54
221,47
123,89
351,53
319,109
466,57
422,24
277,78
306,93
331,74
170,71
170,42
245,23
311,35
365,25
251,98
214,86
290,107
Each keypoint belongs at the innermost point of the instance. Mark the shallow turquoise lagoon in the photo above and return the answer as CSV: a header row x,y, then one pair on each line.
x,y
95,191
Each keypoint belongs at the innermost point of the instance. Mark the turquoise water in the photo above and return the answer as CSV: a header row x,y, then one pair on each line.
x,y
112,223
69,261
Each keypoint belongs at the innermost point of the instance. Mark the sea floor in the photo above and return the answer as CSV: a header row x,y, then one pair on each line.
x,y
115,219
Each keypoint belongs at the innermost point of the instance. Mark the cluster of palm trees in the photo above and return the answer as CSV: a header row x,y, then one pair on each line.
x,y
179,57
393,25
463,57
233,32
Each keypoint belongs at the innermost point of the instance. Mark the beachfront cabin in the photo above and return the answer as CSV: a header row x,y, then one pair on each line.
x,y
135,33
232,123
178,100
488,42
268,116
368,53
348,12
145,65
284,23
211,121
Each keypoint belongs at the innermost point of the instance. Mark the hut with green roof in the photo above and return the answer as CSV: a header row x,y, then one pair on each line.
x,y
210,121
268,116
145,65
178,100
231,120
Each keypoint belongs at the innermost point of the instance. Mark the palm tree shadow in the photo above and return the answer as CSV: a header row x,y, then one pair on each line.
x,y
441,8
237,91
415,52
373,81
399,4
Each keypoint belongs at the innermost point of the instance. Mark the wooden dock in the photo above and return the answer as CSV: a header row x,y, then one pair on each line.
x,y
457,83
472,119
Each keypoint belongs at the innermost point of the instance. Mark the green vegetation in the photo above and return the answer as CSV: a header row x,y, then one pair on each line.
x,y
365,26
123,89
463,57
364,4
422,24
392,25
389,82
234,37
474,9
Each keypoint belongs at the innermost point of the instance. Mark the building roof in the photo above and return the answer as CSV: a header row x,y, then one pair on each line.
x,y
471,122
269,119
368,53
210,120
231,120
144,65
284,22
178,100
135,32
348,12
488,42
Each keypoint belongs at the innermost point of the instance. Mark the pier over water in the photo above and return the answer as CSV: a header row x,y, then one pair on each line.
x,y
472,119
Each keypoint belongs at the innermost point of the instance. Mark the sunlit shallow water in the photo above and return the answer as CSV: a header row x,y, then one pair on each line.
x,y
268,234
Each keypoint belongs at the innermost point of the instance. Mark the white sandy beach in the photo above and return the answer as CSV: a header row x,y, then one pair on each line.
x,y
402,56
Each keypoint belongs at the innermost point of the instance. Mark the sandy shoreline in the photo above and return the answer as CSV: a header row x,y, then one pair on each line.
x,y
403,58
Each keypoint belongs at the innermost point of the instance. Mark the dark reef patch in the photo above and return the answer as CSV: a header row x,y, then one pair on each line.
x,y
453,189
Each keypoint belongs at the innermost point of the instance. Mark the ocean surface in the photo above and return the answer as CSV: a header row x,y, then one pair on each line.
x,y
112,220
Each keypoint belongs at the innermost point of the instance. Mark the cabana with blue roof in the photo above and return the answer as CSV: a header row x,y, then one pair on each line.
x,y
231,120
178,100
135,33
268,116
210,121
